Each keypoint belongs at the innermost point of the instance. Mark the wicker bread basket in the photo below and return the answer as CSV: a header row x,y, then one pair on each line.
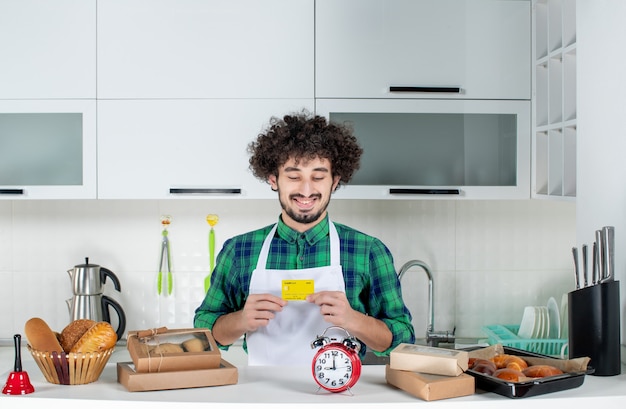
x,y
74,368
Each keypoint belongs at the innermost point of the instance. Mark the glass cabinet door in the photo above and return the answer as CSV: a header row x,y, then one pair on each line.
x,y
47,149
456,148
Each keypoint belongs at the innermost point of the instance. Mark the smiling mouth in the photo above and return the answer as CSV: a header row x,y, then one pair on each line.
x,y
304,203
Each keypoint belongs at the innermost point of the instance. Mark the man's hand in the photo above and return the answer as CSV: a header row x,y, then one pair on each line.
x,y
259,309
336,309
257,312
334,306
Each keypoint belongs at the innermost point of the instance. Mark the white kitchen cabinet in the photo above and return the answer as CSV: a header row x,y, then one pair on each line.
x,y
48,49
48,149
161,149
554,99
205,49
436,149
426,48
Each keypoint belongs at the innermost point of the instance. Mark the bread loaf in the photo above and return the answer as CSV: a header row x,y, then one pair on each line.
x,y
99,337
40,336
73,332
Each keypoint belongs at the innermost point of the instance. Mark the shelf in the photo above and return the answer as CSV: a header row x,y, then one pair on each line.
x,y
554,98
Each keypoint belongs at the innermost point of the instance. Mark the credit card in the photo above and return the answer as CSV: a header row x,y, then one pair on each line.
x,y
297,290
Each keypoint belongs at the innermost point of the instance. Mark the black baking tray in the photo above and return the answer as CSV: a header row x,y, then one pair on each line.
x,y
530,388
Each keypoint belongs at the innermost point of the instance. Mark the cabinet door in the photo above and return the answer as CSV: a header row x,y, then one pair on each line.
x,y
157,149
47,149
48,49
481,47
205,49
436,149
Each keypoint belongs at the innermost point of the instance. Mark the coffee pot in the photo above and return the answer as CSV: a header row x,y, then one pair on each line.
x,y
89,302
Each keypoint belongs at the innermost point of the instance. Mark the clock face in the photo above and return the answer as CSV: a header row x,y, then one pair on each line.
x,y
336,368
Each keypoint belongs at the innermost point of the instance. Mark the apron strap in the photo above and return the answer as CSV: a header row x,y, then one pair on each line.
x,y
334,246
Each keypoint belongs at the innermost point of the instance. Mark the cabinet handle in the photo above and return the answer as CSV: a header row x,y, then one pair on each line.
x,y
205,191
395,191
452,90
11,191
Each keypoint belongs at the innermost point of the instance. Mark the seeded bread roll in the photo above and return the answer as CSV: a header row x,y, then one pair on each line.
x,y
40,336
73,332
99,337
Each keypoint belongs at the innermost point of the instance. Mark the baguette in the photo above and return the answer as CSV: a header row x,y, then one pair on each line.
x,y
41,337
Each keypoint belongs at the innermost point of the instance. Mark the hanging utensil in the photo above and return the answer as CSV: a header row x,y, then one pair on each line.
x,y
166,260
212,220
18,382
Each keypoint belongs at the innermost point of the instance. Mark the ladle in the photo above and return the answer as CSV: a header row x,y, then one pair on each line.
x,y
18,382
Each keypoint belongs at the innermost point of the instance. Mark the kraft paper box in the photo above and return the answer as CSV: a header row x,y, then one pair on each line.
x,y
431,360
431,387
135,381
165,350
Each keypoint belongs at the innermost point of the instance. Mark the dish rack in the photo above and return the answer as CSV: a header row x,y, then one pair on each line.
x,y
506,335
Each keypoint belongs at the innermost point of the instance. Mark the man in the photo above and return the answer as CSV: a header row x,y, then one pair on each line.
x,y
352,276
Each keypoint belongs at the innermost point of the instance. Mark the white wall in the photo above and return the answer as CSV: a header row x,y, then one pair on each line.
x,y
489,258
601,64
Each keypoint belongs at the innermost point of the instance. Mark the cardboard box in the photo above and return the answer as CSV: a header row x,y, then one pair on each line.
x,y
431,360
163,350
135,381
430,387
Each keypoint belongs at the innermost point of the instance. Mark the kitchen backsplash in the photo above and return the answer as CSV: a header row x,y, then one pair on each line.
x,y
489,258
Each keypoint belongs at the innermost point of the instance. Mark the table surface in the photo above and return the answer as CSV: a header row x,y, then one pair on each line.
x,y
272,386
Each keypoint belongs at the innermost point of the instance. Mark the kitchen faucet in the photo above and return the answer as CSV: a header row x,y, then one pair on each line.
x,y
433,338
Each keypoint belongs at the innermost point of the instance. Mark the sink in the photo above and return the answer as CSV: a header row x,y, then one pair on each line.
x,y
372,359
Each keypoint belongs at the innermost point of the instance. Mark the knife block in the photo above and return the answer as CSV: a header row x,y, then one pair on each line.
x,y
594,327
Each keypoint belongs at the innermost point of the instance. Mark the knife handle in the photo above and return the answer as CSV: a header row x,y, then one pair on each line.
x,y
576,273
601,265
585,275
608,235
594,264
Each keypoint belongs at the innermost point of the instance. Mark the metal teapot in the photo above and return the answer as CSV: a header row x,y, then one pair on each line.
x,y
88,301
89,279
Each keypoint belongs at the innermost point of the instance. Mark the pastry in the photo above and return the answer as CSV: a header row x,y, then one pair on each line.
x,y
195,345
540,371
166,348
508,374
99,337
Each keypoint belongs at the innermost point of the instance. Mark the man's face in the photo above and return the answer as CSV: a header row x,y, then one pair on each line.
x,y
304,190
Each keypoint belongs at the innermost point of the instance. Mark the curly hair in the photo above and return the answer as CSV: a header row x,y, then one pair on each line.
x,y
303,136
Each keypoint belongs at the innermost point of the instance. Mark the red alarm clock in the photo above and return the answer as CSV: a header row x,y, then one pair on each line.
x,y
336,366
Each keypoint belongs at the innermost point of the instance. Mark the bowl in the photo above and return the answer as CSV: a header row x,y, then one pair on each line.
x,y
73,368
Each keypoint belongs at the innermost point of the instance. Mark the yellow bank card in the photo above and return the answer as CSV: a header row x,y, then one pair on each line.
x,y
297,289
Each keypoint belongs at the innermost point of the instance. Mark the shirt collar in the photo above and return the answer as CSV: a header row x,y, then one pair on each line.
x,y
312,236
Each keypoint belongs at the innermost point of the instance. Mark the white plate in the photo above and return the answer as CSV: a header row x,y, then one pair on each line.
x,y
555,319
564,316
527,325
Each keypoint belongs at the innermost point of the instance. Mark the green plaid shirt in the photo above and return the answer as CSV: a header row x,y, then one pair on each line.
x,y
372,286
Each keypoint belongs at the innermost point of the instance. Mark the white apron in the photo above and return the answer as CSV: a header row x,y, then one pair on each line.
x,y
286,340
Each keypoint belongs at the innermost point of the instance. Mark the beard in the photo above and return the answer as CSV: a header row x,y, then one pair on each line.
x,y
299,217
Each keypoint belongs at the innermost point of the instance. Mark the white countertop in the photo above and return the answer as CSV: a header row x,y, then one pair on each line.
x,y
280,386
